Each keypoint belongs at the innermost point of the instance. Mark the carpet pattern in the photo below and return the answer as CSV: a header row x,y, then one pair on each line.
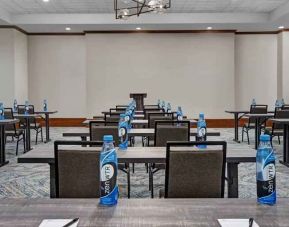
x,y
32,180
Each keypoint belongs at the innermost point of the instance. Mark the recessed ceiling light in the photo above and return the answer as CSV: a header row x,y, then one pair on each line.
x,y
45,0
67,28
209,28
281,27
138,28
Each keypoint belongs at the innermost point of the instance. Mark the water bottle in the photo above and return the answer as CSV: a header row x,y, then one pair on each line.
x,y
169,108
128,118
163,105
15,106
108,173
201,130
26,112
123,132
254,103
266,173
2,111
45,106
179,114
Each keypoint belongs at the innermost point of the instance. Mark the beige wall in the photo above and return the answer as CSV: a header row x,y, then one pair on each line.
x,y
256,70
13,66
83,75
57,72
195,71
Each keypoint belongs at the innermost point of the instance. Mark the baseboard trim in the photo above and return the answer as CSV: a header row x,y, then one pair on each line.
x,y
77,122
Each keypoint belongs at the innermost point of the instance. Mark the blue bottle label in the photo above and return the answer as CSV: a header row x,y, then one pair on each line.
x,y
108,179
266,182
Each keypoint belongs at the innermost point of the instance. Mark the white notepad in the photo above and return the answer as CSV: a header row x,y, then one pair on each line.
x,y
57,223
236,223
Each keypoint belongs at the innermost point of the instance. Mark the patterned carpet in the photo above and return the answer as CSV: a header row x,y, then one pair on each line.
x,y
32,180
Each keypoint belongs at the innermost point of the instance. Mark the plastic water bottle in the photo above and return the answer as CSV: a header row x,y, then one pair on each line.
x,y
169,108
179,114
15,106
128,118
26,112
108,173
254,103
163,105
123,132
266,173
45,106
2,117
277,104
201,130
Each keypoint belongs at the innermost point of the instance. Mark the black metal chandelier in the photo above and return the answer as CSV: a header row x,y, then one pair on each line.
x,y
127,8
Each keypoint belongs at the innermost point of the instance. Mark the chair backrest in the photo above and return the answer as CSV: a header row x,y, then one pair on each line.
x,y
195,173
285,107
152,117
77,169
257,109
8,113
21,110
148,111
97,131
112,118
281,114
117,110
171,131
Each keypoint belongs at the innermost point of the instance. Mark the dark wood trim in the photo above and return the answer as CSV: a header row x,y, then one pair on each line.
x,y
159,31
14,27
258,33
57,34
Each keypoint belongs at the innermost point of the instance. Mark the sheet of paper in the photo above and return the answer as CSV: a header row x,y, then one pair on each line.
x,y
56,223
236,223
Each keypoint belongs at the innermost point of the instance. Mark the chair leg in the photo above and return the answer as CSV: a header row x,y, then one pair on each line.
x,y
151,181
128,182
24,142
132,167
248,138
242,134
17,146
41,135
279,140
36,141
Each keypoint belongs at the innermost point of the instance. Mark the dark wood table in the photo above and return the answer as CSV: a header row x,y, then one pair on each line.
x,y
139,99
238,114
284,122
3,139
47,116
142,212
27,118
258,123
146,155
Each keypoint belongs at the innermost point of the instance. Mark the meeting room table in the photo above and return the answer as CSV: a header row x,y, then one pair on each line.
x,y
143,212
258,122
47,126
145,155
285,123
3,123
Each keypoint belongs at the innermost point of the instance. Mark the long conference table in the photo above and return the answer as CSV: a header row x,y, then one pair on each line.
x,y
145,155
142,212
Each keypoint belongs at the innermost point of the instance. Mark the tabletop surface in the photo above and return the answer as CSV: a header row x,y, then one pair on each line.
x,y
237,111
133,154
283,121
46,112
27,115
142,212
8,121
260,115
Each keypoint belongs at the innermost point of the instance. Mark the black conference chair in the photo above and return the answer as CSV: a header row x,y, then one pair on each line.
x,y
77,170
254,109
191,173
167,131
13,130
33,123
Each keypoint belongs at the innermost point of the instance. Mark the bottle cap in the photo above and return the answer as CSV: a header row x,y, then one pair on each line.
x,y
202,115
107,138
264,137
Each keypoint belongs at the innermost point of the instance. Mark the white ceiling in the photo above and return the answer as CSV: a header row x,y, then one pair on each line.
x,y
106,6
80,15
